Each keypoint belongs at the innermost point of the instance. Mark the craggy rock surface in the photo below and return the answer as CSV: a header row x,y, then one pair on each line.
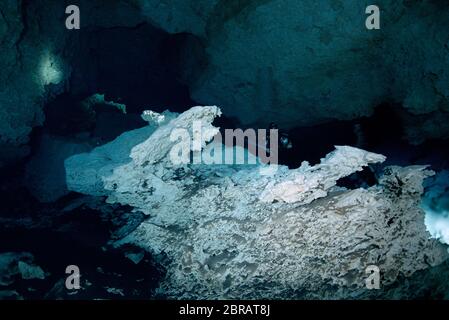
x,y
39,59
305,62
219,236
297,63
17,266
30,72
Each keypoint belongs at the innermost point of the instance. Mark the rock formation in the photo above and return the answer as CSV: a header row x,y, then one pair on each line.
x,y
16,266
224,231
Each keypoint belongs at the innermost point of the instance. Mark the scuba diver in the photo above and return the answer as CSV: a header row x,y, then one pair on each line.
x,y
284,140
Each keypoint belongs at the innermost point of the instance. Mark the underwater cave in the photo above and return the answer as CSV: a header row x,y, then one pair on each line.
x,y
87,118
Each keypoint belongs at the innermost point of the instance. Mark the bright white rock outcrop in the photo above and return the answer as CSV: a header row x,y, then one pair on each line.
x,y
436,206
219,232
309,183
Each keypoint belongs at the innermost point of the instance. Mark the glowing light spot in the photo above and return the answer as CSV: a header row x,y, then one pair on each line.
x,y
437,224
50,70
435,204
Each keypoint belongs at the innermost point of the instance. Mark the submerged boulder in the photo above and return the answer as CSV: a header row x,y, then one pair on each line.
x,y
224,231
14,265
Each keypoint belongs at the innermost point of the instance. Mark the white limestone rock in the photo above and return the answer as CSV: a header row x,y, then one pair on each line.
x,y
223,243
85,172
155,118
217,239
309,183
157,147
139,153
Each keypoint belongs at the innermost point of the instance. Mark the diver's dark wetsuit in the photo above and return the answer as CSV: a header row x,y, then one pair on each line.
x,y
285,147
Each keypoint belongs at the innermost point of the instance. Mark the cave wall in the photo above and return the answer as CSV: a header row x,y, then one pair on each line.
x,y
297,63
30,66
38,61
307,62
